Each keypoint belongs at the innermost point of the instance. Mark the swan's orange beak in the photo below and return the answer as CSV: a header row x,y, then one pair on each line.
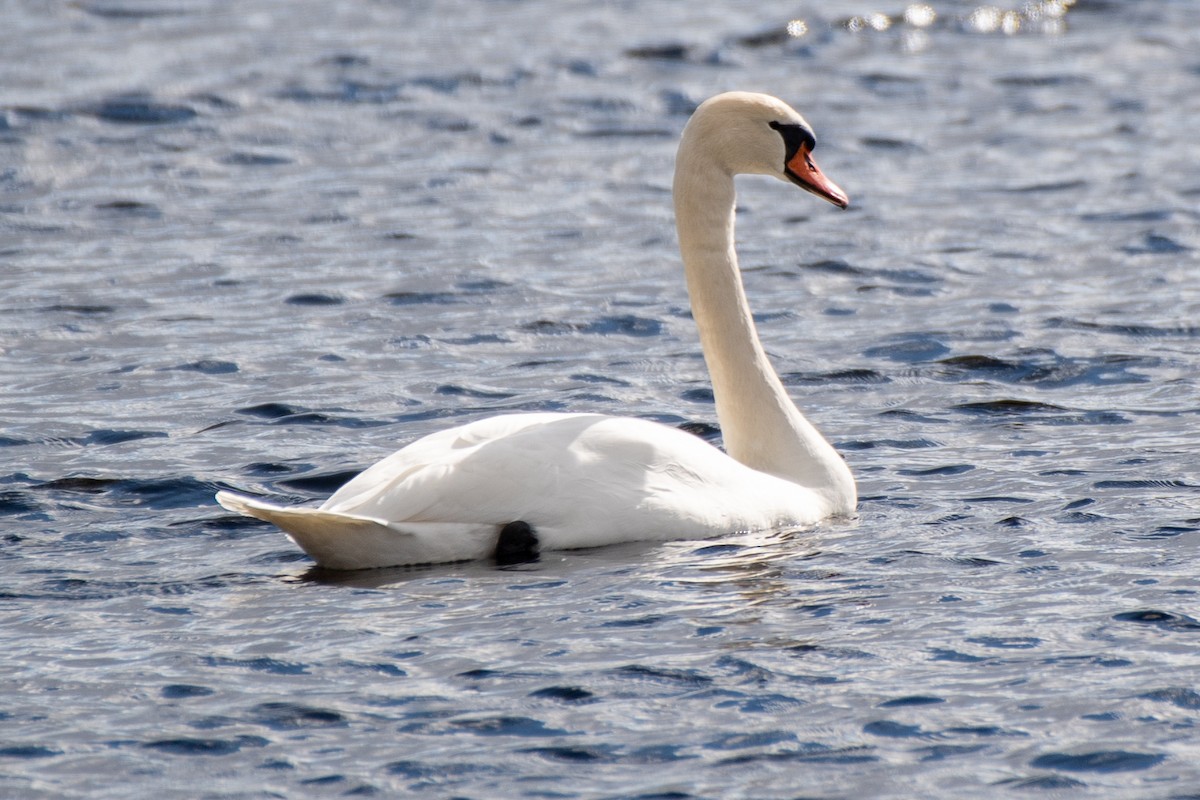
x,y
805,173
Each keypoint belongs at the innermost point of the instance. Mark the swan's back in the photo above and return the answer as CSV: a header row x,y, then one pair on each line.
x,y
579,479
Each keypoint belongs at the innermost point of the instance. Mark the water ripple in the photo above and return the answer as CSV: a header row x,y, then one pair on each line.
x,y
1098,761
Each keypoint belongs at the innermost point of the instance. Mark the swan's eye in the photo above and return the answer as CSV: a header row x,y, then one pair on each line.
x,y
795,138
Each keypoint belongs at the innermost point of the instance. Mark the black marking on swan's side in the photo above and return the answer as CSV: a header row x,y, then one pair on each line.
x,y
517,544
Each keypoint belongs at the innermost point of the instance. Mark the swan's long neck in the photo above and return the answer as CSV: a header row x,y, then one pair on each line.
x,y
761,426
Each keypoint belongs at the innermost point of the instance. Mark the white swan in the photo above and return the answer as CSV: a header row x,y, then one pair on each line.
x,y
565,481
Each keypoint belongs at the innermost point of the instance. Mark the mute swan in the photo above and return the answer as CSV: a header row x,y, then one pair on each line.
x,y
562,481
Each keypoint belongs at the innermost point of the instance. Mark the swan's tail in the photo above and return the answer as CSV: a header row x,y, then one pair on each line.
x,y
348,541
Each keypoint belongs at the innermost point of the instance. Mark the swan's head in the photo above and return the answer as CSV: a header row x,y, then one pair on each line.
x,y
748,133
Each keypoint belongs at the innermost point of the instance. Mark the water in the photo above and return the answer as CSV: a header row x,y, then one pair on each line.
x,y
260,245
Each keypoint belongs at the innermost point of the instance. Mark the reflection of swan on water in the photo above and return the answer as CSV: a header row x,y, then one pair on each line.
x,y
512,483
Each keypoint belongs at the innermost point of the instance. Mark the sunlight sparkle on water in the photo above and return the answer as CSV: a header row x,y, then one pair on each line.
x,y
920,15
1044,16
797,28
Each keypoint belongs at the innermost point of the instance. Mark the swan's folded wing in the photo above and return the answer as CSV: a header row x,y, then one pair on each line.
x,y
495,470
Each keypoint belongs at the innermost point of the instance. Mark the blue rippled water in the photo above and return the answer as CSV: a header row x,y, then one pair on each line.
x,y
259,245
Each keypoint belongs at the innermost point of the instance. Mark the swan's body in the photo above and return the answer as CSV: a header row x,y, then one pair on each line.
x,y
582,480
